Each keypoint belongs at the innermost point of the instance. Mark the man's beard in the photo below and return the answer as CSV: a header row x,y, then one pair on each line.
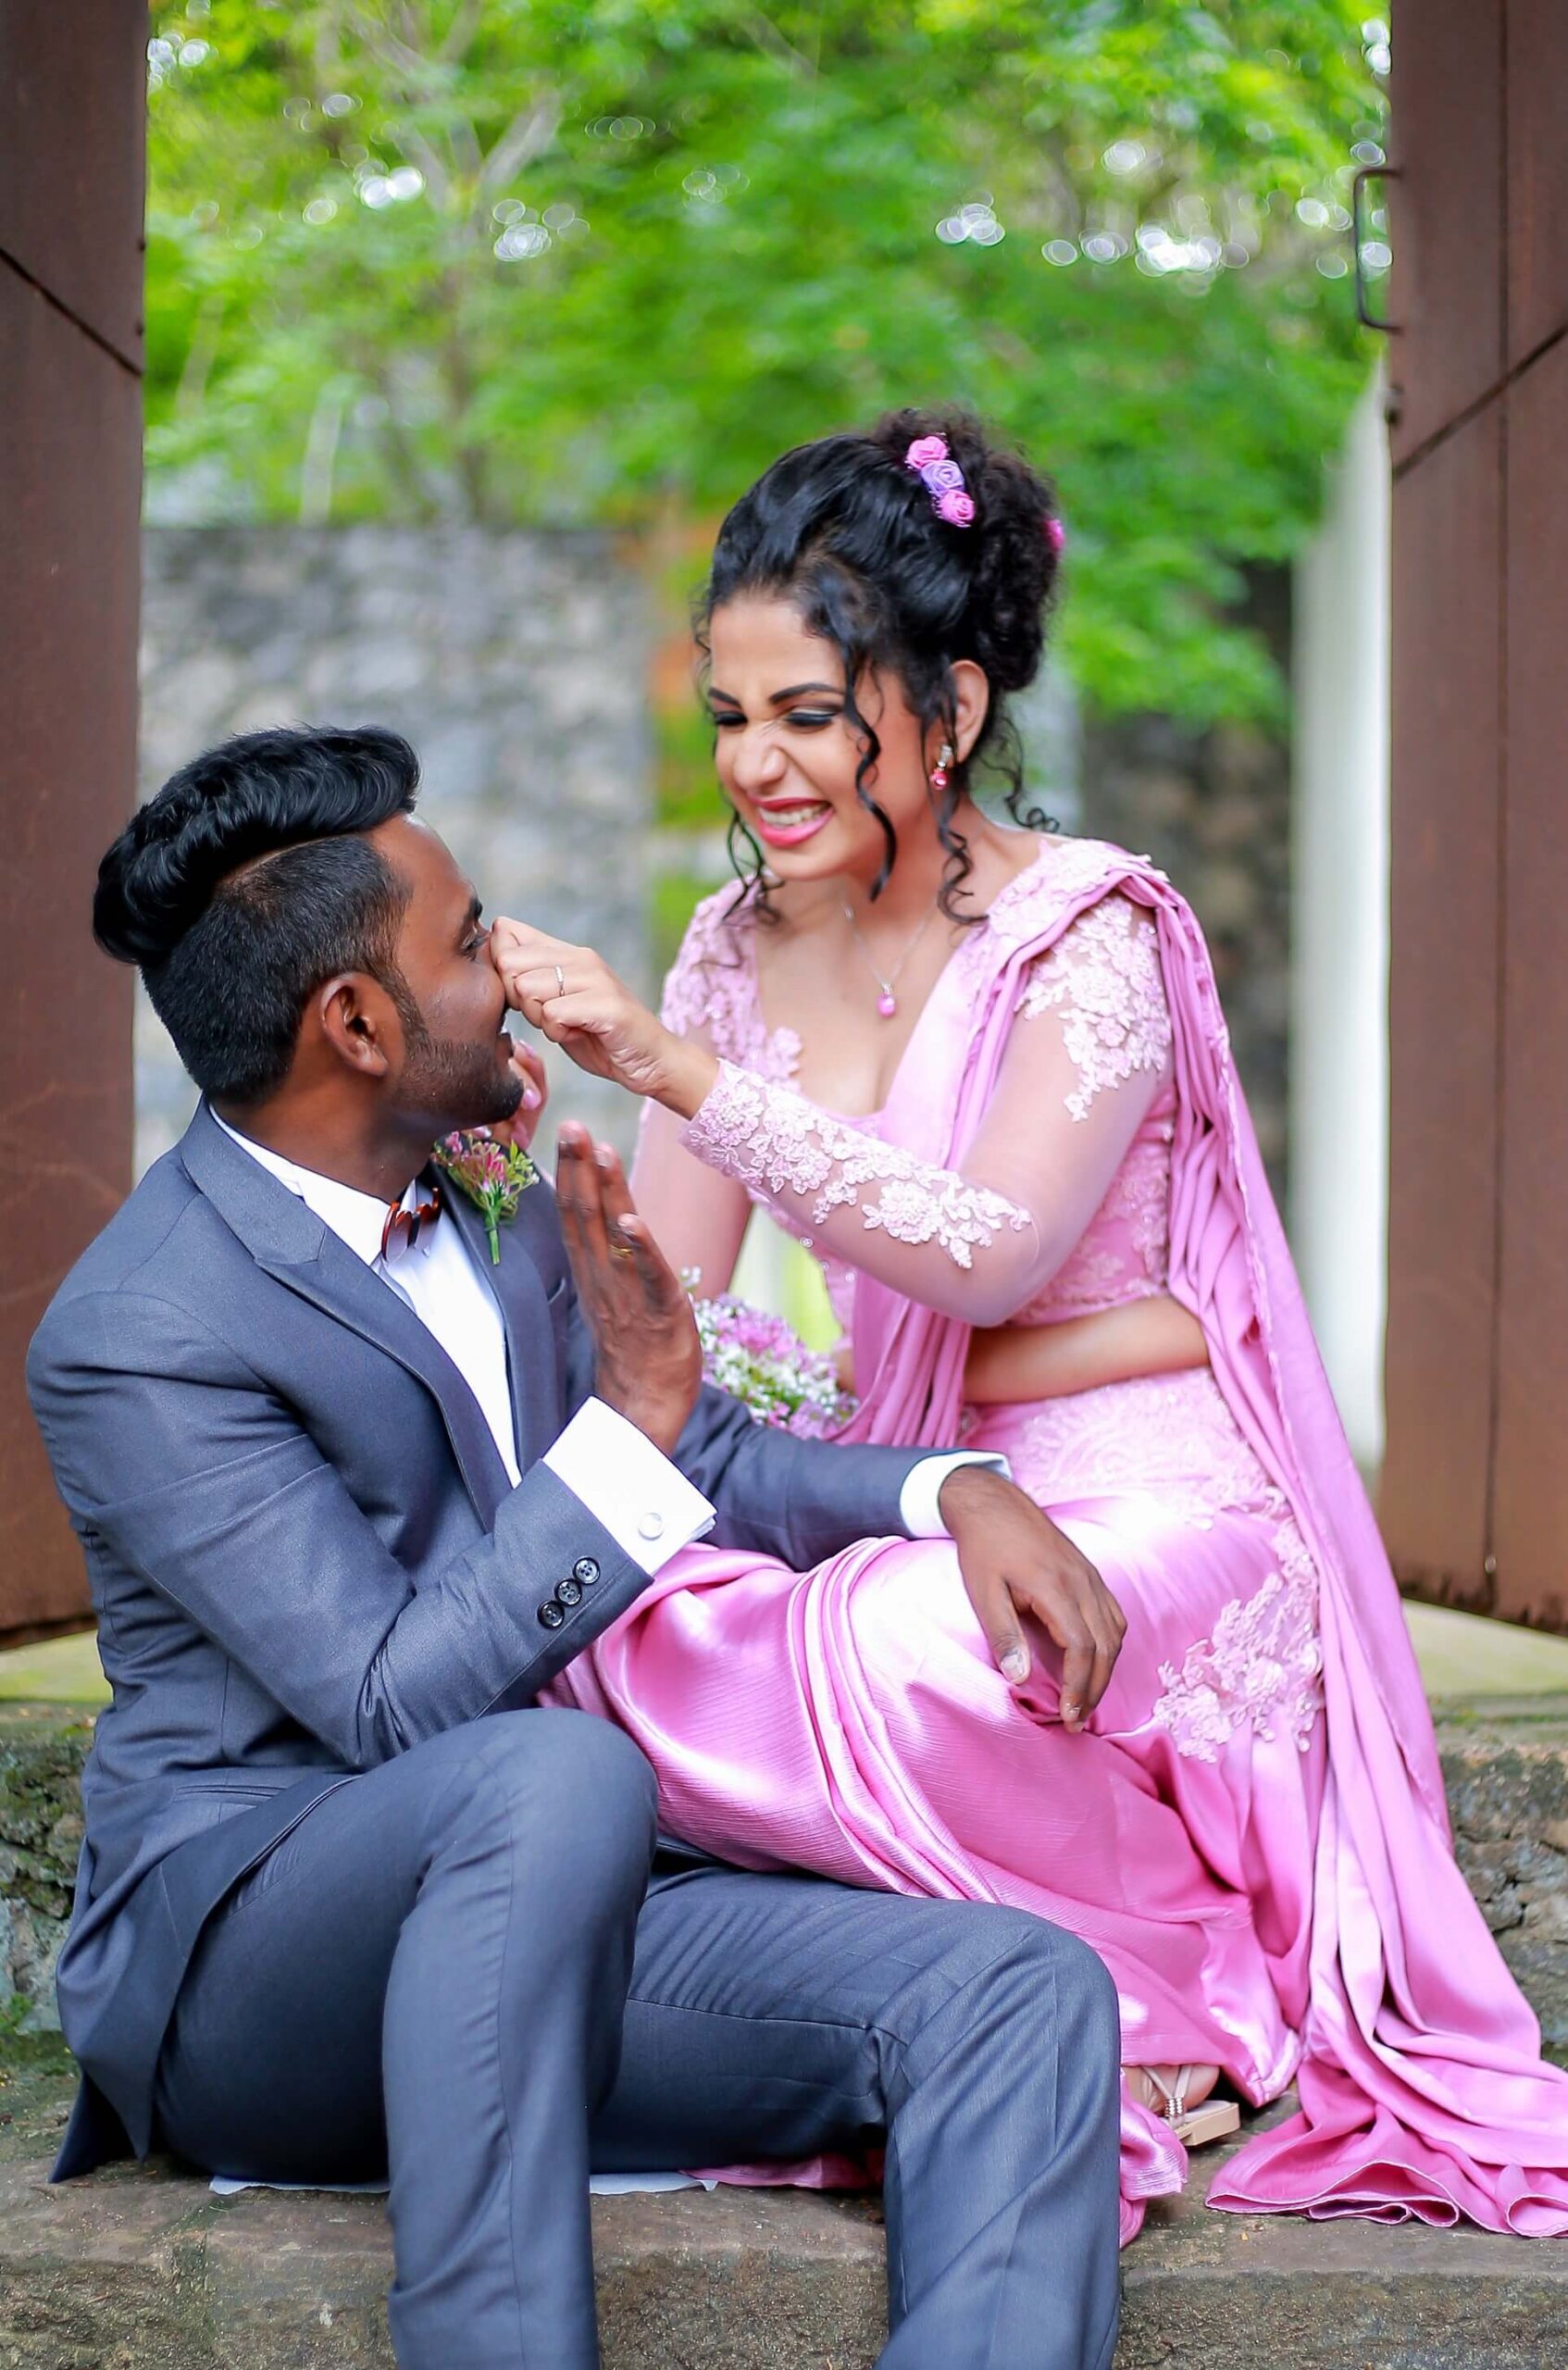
x,y
455,1085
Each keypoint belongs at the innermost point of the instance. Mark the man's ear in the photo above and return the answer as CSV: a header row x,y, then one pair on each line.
x,y
359,1022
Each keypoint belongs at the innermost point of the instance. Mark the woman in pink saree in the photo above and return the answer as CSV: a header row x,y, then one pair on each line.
x,y
984,1075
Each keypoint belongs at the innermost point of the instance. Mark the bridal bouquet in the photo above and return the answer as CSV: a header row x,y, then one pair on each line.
x,y
759,1360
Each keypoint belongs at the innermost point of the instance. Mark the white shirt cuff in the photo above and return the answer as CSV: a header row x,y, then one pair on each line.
x,y
629,1487
918,1508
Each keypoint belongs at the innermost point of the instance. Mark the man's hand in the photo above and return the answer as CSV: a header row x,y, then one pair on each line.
x,y
1014,1560
647,1362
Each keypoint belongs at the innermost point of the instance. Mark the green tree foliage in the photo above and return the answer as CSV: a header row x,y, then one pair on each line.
x,y
521,260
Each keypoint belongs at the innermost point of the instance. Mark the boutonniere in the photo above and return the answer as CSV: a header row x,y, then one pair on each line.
x,y
493,1176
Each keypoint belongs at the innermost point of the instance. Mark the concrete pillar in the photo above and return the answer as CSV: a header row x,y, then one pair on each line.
x,y
1339,927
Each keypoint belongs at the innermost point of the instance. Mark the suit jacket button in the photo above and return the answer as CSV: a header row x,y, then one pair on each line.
x,y
586,1570
568,1592
551,1615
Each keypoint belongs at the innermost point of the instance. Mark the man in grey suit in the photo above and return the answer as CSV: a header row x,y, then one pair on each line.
x,y
351,1492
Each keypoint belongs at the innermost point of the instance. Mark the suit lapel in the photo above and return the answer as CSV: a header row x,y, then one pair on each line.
x,y
525,1314
285,1236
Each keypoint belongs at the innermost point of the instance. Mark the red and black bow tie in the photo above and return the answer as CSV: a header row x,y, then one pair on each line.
x,y
404,1226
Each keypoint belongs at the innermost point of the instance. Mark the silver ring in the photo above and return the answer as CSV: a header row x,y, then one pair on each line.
x,y
560,981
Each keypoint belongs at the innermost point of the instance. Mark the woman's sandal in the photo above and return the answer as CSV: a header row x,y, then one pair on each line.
x,y
1194,2127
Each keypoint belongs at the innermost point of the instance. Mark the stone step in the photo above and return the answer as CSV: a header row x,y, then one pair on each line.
x,y
1505,1764
143,2269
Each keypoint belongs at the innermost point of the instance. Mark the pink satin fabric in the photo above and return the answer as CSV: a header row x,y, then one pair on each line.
x,y
1253,1833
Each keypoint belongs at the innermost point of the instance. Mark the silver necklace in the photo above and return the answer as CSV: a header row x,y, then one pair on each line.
x,y
887,1003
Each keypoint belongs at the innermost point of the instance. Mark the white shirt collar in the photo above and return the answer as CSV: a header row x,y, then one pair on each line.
x,y
358,1220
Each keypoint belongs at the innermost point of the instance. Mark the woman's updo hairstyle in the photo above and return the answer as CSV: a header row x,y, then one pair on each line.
x,y
847,533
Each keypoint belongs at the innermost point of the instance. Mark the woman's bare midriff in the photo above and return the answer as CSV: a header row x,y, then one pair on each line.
x,y
1012,1364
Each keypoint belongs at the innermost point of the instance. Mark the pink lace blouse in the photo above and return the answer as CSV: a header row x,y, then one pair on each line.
x,y
1060,1205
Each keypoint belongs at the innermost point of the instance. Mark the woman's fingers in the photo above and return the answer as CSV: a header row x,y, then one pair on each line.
x,y
518,946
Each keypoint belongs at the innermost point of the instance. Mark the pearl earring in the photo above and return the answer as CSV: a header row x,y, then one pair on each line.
x,y
941,771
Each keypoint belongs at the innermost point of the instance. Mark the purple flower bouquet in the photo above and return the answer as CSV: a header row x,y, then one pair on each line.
x,y
762,1362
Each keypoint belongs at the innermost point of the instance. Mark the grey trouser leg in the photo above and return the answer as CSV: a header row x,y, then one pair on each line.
x,y
454,1933
774,2015
450,1933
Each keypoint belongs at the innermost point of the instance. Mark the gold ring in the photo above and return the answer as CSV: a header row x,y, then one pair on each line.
x,y
620,1251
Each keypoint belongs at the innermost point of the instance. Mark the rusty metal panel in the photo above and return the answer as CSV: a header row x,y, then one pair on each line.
x,y
73,85
70,484
1443,1080
1538,179
1530,1484
1445,290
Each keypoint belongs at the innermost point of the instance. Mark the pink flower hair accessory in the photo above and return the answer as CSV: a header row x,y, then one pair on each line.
x,y
1055,534
943,479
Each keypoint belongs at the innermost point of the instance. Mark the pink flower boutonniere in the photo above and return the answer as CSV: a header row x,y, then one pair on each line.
x,y
493,1176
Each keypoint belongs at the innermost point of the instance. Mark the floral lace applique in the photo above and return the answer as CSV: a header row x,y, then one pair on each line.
x,y
774,1141
712,990
1103,979
1261,1668
1168,1436
1033,897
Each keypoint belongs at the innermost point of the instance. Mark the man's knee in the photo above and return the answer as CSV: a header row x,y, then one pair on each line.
x,y
1032,1975
557,1786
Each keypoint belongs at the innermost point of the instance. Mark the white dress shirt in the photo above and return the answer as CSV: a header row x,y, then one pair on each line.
x,y
631,1488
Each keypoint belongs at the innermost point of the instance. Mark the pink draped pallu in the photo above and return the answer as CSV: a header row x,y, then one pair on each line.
x,y
1362,1965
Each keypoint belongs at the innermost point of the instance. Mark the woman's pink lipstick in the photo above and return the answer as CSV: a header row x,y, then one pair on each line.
x,y
792,835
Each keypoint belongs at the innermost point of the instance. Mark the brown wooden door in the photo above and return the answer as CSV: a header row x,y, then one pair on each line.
x,y
1474,1499
71,112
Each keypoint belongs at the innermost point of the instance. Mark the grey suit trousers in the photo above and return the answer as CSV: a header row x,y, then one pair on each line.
x,y
459,1968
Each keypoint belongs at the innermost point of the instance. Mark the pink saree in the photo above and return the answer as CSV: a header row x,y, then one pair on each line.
x,y
1252,1833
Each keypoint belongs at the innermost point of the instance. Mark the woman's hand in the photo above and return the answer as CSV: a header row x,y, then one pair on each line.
x,y
1014,1560
523,1126
571,995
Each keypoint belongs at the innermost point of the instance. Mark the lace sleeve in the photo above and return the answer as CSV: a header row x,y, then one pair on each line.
x,y
978,1241
1102,979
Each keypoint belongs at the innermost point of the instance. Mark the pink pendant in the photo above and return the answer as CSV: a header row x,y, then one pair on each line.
x,y
886,1004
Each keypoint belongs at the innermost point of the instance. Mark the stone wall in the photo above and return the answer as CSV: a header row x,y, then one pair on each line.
x,y
515,662
42,1750
519,665
1213,809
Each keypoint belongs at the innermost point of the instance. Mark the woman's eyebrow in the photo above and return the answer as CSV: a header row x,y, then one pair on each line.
x,y
778,699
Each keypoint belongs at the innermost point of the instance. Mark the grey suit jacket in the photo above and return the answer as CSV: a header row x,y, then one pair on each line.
x,y
304,1551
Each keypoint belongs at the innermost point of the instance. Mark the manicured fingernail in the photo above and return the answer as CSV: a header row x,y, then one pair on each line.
x,y
1015,1666
1071,1710
531,1098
